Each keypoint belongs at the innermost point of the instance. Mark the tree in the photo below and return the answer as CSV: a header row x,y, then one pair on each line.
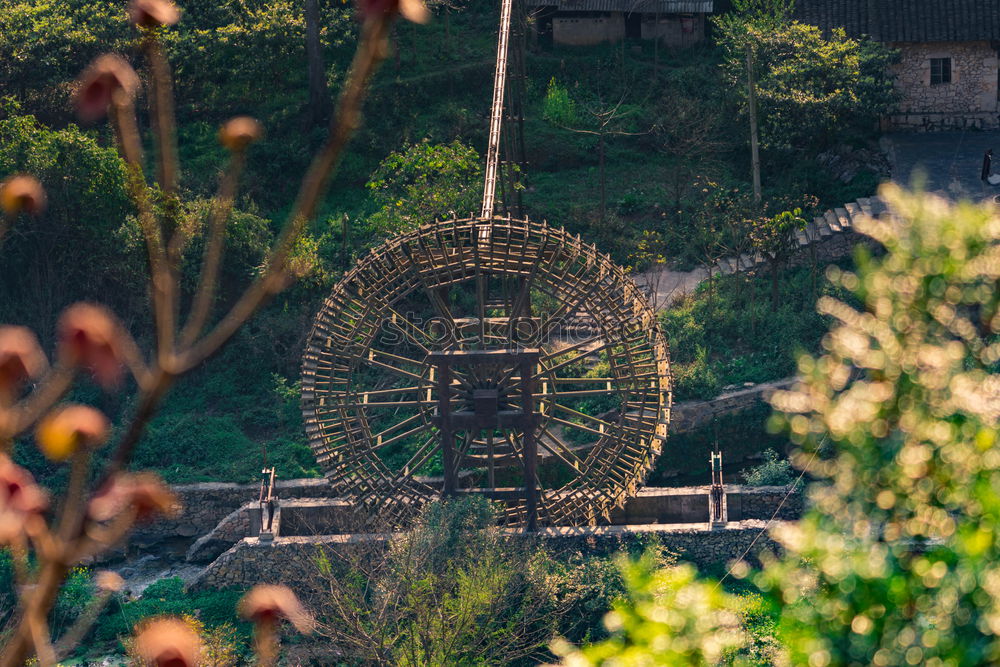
x,y
812,91
687,132
423,183
319,99
774,236
42,43
90,216
601,119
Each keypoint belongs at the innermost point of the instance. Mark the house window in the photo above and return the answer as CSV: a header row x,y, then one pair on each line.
x,y
940,71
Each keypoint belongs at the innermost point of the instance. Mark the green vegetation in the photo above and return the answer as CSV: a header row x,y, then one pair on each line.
x,y
425,183
741,436
727,334
812,91
893,561
639,177
215,612
774,471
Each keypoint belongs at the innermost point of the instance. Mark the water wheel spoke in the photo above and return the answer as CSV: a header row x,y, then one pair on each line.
x,y
378,439
555,353
562,451
403,325
580,354
418,460
578,393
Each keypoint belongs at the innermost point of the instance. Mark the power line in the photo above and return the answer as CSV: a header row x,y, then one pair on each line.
x,y
791,490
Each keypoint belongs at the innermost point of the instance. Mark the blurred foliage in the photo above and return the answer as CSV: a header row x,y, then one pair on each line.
x,y
896,562
670,617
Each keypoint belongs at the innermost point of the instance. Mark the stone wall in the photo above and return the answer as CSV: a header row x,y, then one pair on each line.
x,y
968,101
203,506
689,415
239,523
652,505
765,502
292,560
831,249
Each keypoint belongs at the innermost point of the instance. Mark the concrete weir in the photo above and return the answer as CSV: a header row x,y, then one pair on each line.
x,y
238,553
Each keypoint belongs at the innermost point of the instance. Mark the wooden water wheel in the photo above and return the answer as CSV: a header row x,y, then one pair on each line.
x,y
475,356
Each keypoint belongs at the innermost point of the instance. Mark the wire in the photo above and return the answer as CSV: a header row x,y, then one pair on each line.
x,y
791,489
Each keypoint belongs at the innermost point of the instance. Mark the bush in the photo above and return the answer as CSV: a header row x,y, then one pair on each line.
x,y
774,471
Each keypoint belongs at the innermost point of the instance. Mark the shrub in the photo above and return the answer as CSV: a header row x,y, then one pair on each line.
x,y
774,471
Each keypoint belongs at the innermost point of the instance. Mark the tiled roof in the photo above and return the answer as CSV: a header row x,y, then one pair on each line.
x,y
628,6
906,20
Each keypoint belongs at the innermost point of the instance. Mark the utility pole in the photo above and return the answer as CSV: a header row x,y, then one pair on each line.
x,y
754,138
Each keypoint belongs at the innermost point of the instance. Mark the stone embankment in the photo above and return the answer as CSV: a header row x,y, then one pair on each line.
x,y
306,528
294,560
689,415
204,505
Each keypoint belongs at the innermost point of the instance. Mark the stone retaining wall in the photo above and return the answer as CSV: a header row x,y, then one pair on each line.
x,y
204,505
292,560
651,506
689,415
829,250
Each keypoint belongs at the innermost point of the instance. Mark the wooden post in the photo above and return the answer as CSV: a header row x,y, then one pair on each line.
x,y
447,442
529,446
754,137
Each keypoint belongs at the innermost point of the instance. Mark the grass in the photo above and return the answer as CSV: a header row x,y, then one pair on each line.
x,y
728,333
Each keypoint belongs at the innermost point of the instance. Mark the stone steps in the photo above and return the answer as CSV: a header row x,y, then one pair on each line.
x,y
839,220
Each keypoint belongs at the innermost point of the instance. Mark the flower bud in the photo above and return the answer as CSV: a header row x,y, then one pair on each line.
x,y
168,642
412,10
153,13
239,132
63,432
90,337
20,359
108,581
109,75
145,493
267,603
21,500
22,193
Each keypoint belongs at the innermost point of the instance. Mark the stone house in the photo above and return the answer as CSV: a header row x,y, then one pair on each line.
x,y
676,23
947,76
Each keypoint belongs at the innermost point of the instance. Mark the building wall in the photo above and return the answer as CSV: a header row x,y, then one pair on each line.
x,y
969,101
588,30
674,30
